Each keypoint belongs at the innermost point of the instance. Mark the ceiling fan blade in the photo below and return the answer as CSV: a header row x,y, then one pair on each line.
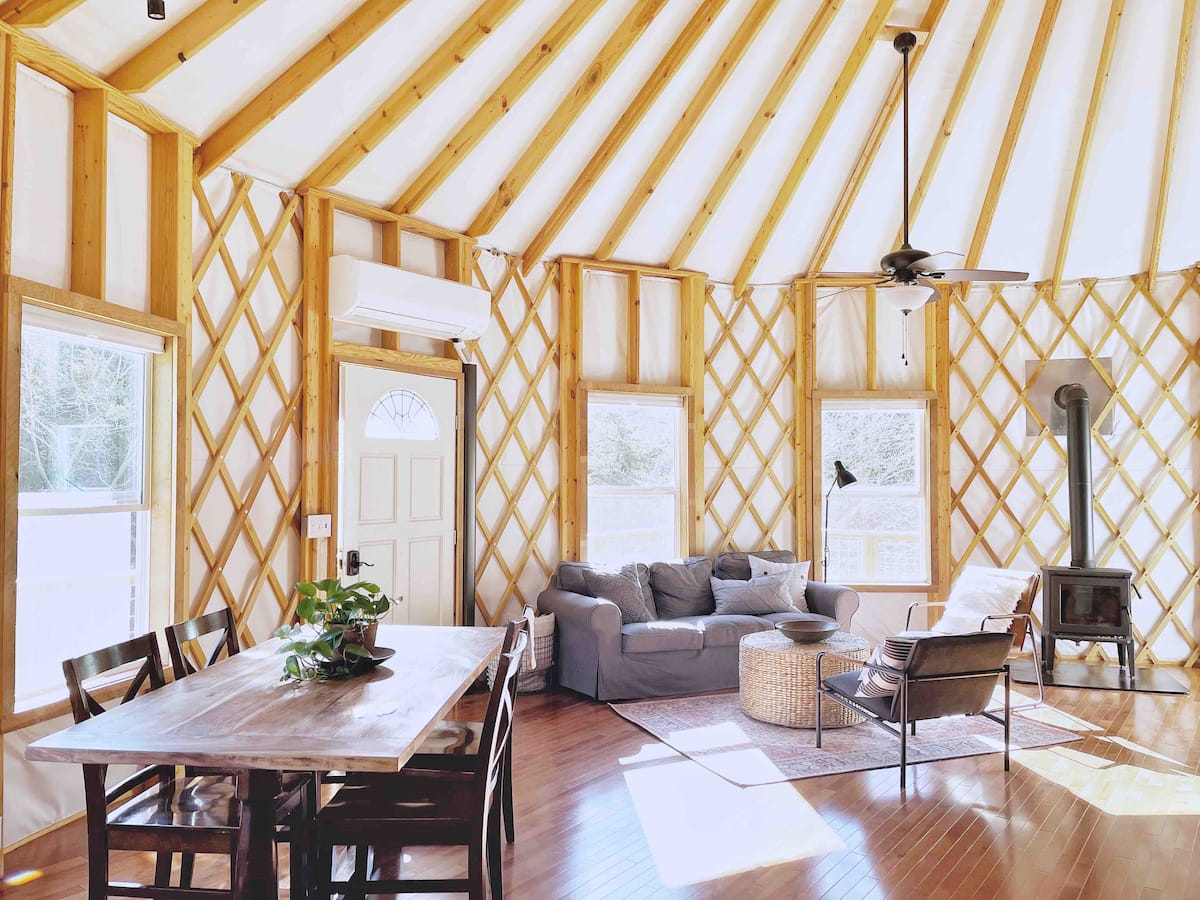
x,y
979,275
929,263
934,293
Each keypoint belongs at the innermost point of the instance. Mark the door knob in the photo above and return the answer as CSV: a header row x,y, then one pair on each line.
x,y
355,562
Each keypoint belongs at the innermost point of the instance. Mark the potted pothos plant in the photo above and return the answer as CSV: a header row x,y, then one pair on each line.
x,y
336,631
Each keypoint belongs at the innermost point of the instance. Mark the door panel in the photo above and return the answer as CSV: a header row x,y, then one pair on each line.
x,y
398,468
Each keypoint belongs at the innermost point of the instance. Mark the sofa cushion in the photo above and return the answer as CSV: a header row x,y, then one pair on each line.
x,y
797,577
765,594
726,631
682,588
621,588
667,634
776,618
570,578
735,565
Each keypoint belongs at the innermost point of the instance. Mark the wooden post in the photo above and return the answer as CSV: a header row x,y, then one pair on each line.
x,y
89,184
569,350
691,362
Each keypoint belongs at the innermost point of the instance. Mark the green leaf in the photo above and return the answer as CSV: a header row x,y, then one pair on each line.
x,y
307,588
354,651
305,608
292,664
323,648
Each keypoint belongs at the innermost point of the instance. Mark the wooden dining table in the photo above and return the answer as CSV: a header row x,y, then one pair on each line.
x,y
237,714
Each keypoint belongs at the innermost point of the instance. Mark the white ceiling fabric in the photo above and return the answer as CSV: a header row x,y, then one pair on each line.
x,y
1114,220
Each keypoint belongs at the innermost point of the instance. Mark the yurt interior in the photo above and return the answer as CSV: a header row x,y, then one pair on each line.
x,y
600,449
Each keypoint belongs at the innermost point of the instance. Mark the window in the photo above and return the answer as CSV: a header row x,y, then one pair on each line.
x,y
402,415
83,501
636,472
879,526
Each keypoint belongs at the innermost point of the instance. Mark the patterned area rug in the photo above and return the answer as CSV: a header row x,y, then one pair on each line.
x,y
713,730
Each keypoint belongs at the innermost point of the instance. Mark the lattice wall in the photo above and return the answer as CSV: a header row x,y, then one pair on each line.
x,y
517,465
1009,496
246,354
749,419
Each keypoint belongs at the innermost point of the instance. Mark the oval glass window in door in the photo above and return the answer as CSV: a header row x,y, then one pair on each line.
x,y
402,415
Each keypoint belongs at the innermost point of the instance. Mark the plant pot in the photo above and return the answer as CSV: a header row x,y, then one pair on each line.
x,y
357,634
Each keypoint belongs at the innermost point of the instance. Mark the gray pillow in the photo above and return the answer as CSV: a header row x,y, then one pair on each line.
x,y
570,578
758,596
621,589
682,588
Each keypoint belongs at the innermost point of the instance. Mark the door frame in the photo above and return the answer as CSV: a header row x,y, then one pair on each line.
x,y
411,364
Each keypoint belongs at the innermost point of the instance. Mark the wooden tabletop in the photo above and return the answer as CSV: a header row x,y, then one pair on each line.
x,y
237,713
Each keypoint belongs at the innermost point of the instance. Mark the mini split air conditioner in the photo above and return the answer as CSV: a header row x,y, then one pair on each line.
x,y
379,296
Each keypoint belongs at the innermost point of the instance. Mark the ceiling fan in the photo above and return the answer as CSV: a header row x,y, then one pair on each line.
x,y
908,266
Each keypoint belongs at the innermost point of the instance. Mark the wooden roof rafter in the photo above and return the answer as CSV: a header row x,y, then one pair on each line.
x,y
668,65
1182,55
572,106
784,82
873,143
181,42
232,134
1116,9
388,115
751,25
812,143
36,13
522,76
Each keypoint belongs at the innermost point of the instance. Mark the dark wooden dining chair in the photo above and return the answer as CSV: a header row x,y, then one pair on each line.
x,y
153,809
307,784
422,808
453,747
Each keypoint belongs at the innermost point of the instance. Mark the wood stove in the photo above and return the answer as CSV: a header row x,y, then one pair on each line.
x,y
1081,602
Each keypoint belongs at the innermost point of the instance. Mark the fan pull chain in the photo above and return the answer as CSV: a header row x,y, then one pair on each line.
x,y
904,336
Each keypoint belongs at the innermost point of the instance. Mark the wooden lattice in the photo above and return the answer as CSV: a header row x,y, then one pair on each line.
x,y
246,402
517,477
750,419
1008,488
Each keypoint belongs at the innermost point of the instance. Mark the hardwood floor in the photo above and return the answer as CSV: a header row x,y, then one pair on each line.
x,y
604,810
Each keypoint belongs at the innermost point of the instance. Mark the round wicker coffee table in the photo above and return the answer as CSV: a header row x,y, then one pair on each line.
x,y
779,678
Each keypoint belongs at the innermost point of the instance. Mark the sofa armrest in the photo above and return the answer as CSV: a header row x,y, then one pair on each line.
x,y
833,600
588,636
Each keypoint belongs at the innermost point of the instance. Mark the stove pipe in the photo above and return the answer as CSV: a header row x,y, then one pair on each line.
x,y
1074,399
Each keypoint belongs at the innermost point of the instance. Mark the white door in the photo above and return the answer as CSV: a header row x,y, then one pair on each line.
x,y
398,477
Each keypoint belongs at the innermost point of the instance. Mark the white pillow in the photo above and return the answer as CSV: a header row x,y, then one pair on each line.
x,y
797,577
979,592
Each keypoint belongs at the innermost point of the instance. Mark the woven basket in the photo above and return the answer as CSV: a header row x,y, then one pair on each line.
x,y
531,680
779,678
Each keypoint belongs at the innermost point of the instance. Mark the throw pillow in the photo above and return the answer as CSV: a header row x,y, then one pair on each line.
x,y
797,574
756,597
894,652
978,592
622,589
682,588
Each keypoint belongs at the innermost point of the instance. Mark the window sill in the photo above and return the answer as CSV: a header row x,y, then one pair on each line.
x,y
102,690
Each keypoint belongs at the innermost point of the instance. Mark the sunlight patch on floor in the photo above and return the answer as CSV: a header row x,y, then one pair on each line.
x,y
699,827
1118,789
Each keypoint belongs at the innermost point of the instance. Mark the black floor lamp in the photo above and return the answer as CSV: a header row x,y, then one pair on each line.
x,y
842,477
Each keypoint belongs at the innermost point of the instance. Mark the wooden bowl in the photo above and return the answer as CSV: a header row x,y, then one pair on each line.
x,y
807,631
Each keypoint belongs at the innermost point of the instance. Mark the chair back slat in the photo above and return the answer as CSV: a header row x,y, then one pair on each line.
x,y
179,634
497,725
142,649
1024,607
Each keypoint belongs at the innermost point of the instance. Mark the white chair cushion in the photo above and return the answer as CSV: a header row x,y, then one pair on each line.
x,y
978,592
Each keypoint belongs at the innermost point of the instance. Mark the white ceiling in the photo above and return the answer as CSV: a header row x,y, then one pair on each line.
x,y
1114,220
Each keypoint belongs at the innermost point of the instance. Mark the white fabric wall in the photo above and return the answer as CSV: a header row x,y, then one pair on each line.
x,y
659,324
605,326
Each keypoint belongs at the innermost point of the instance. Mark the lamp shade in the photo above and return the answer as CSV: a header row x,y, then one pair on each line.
x,y
156,9
841,475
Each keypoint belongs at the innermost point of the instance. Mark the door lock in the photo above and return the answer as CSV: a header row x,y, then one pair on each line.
x,y
355,562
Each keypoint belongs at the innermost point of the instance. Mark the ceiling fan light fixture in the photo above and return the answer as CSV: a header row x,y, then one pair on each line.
x,y
156,9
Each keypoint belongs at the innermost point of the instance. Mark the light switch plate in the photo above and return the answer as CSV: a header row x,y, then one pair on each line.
x,y
318,526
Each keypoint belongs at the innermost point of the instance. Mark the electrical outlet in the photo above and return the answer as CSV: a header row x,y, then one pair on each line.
x,y
318,526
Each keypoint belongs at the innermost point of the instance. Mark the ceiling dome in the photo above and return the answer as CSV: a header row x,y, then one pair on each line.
x,y
750,139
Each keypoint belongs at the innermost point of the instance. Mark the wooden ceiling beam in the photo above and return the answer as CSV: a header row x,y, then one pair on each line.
x,y
670,149
1182,55
603,65
164,55
543,52
1016,118
754,131
870,149
408,96
1115,10
961,88
921,32
232,134
36,13
670,63
812,143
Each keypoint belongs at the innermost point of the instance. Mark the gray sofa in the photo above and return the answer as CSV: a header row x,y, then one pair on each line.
x,y
599,657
